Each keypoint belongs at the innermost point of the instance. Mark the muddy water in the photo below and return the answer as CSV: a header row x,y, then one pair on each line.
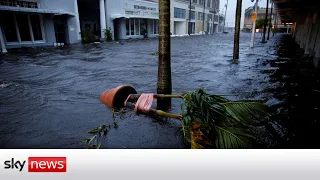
x,y
50,97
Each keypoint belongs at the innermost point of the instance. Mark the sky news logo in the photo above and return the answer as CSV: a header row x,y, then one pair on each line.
x,y
38,164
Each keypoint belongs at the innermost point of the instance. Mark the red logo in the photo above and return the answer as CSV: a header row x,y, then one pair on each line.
x,y
47,164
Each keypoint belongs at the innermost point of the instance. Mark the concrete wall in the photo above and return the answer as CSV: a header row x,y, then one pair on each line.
x,y
72,23
306,32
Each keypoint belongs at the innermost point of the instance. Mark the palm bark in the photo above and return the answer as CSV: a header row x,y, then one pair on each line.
x,y
164,85
237,31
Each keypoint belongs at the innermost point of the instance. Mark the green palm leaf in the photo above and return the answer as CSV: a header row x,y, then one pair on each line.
x,y
223,121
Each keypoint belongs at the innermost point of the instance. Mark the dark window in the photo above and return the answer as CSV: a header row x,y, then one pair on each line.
x,y
208,3
132,26
201,2
200,16
179,13
23,24
194,1
36,27
127,27
193,15
9,27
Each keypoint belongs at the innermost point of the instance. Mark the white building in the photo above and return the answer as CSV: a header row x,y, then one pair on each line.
x,y
203,18
48,22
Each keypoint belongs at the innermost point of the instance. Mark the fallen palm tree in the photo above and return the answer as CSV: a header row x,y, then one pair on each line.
x,y
208,121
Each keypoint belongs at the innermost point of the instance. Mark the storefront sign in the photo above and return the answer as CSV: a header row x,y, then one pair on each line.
x,y
144,8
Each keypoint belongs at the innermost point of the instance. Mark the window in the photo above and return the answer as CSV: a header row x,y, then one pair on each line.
x,y
127,27
22,27
201,2
179,13
9,27
194,1
135,27
208,3
36,27
210,17
155,27
193,15
200,16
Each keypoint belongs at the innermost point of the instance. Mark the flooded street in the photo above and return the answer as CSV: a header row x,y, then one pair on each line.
x,y
50,98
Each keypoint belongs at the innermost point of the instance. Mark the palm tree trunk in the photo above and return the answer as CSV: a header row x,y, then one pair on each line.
x,y
270,23
189,23
265,24
204,8
164,85
237,31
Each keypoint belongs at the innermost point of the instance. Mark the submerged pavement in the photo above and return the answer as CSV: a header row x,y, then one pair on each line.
x,y
50,97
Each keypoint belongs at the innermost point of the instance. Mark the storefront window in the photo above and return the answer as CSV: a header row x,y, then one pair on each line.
x,y
23,25
127,27
137,27
143,27
132,27
9,27
36,27
155,26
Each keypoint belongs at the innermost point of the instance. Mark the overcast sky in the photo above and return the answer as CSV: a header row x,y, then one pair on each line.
x,y
231,12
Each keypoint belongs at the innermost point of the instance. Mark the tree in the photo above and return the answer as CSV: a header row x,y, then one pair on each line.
x,y
260,23
237,31
164,85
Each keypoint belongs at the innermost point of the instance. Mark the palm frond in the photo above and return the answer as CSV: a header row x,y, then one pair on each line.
x,y
230,137
218,117
241,111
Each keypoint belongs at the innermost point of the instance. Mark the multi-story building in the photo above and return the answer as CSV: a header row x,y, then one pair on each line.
x,y
203,16
47,22
38,22
261,13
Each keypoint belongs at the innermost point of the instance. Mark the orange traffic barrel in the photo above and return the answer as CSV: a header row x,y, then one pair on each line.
x,y
117,96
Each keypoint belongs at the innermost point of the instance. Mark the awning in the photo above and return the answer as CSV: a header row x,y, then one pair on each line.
x,y
116,16
36,10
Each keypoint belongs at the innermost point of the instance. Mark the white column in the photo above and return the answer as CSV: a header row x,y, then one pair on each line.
x,y
3,46
103,25
77,19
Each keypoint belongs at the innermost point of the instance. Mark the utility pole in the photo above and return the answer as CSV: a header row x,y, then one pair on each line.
x,y
204,7
270,23
225,16
254,25
189,25
265,24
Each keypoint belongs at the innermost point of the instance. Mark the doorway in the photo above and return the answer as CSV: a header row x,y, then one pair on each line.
x,y
60,28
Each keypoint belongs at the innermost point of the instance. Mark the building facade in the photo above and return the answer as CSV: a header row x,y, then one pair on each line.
x,y
50,22
203,18
261,13
38,23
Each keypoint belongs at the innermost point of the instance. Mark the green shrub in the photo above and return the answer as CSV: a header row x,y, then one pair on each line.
x,y
88,36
